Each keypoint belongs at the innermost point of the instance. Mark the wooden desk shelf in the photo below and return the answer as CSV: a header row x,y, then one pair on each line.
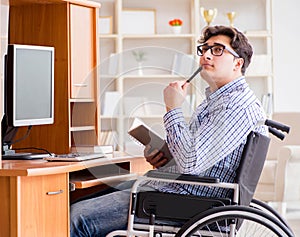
x,y
81,184
106,174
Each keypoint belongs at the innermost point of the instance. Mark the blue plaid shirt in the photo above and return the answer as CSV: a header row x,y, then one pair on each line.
x,y
213,141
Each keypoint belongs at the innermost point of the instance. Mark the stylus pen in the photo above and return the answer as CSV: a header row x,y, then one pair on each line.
x,y
192,76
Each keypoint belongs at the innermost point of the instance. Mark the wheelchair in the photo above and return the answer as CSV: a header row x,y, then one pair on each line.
x,y
158,214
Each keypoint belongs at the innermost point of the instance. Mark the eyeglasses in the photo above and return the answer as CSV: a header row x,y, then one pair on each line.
x,y
216,50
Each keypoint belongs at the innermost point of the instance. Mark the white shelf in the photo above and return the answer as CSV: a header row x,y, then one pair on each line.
x,y
153,76
158,36
109,117
82,128
146,76
258,34
83,100
259,75
137,36
108,36
152,116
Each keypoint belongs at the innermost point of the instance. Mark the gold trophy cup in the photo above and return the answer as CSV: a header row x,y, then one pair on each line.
x,y
231,16
208,14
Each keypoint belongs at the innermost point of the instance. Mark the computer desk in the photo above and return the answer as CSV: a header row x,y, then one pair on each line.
x,y
35,195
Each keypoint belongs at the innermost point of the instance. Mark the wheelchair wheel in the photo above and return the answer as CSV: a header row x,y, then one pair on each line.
x,y
267,209
222,221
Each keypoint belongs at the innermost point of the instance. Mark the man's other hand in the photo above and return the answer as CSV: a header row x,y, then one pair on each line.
x,y
155,157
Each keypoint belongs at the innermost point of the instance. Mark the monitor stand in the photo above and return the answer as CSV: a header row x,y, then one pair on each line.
x,y
9,154
7,136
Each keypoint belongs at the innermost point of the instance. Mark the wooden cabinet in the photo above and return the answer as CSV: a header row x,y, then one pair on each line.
x,y
71,27
34,205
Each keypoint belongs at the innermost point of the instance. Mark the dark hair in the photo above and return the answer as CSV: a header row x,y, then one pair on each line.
x,y
239,42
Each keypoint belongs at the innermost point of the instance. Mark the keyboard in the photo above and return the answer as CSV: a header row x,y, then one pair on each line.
x,y
75,156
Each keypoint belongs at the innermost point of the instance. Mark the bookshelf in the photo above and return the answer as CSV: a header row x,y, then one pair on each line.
x,y
122,74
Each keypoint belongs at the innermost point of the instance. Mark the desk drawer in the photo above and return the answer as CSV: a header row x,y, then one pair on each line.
x,y
43,205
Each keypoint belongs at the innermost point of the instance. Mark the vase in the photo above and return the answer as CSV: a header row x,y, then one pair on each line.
x,y
140,69
176,29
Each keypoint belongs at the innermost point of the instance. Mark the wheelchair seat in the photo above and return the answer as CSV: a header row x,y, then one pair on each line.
x,y
174,207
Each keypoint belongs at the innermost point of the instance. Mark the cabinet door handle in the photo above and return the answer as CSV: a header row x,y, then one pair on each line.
x,y
80,85
55,192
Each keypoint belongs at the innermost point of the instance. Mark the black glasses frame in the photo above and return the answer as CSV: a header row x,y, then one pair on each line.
x,y
200,51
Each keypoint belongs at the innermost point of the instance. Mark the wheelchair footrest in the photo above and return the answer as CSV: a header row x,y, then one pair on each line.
x,y
169,206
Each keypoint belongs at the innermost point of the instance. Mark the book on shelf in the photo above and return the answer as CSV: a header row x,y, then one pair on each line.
x,y
111,103
108,137
106,149
144,135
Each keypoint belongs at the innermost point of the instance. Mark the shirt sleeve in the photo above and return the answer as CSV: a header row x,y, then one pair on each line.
x,y
218,135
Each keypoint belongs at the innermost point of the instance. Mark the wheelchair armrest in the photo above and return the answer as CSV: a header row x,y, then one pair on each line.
x,y
184,177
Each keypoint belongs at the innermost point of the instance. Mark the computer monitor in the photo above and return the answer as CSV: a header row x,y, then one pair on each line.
x,y
28,88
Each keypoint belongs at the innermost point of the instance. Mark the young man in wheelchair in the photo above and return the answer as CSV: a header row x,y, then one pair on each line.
x,y
210,145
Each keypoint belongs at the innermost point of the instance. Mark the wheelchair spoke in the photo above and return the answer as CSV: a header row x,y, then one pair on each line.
x,y
234,222
250,228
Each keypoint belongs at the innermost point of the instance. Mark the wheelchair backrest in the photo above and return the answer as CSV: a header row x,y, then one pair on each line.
x,y
251,165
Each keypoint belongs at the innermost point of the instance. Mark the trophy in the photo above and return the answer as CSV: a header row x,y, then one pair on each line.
x,y
208,14
231,16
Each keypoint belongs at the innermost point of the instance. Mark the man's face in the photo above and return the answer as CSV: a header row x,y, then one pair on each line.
x,y
219,70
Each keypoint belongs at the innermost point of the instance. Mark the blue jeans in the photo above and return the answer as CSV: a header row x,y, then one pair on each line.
x,y
98,216
101,215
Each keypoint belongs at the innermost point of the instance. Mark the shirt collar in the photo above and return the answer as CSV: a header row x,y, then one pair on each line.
x,y
234,85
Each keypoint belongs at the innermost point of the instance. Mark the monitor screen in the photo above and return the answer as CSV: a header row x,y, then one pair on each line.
x,y
30,85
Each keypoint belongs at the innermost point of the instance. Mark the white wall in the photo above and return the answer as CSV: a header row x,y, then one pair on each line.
x,y
286,29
